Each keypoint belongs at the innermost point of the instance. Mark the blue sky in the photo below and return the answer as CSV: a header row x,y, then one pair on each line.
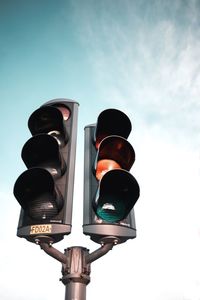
x,y
138,56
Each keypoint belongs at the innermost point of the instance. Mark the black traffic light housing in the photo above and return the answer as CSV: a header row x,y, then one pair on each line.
x,y
45,190
110,191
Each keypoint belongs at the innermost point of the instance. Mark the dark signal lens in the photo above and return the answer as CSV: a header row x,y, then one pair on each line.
x,y
42,208
111,122
36,192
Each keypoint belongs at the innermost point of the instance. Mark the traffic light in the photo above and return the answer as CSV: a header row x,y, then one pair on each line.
x,y
45,190
110,191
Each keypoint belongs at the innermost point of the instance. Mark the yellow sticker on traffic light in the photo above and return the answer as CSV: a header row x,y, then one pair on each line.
x,y
38,229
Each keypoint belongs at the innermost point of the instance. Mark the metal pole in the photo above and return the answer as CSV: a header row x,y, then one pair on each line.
x,y
76,273
75,291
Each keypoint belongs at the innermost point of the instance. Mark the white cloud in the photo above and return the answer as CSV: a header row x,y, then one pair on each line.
x,y
149,67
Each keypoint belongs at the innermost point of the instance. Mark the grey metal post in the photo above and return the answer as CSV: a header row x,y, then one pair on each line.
x,y
76,273
75,291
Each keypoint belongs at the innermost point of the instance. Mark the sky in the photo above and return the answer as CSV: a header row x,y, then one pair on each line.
x,y
141,57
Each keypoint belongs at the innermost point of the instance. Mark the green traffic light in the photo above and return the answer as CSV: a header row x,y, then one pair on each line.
x,y
117,194
112,210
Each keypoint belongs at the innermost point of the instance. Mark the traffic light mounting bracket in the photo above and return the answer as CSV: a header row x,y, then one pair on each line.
x,y
76,268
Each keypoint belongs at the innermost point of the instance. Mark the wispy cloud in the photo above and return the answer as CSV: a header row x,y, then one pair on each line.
x,y
147,59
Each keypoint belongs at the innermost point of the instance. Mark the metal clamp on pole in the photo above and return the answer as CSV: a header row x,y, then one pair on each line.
x,y
76,263
76,273
75,269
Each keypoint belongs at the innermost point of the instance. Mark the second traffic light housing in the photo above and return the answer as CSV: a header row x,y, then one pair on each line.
x,y
110,191
45,190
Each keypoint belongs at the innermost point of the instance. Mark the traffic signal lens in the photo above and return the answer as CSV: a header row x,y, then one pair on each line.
x,y
43,150
65,112
111,122
118,149
35,191
111,210
105,165
44,207
49,120
117,194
